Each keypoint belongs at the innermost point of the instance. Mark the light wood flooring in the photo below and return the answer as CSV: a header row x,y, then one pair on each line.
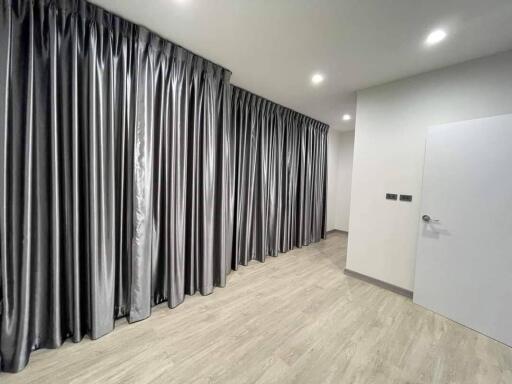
x,y
293,319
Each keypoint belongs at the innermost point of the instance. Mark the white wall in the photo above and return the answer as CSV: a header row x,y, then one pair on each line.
x,y
340,151
391,126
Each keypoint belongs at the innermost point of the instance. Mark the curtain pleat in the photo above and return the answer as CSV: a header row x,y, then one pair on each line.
x,y
280,178
133,173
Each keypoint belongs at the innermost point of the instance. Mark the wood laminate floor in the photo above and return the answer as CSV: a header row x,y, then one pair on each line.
x,y
294,319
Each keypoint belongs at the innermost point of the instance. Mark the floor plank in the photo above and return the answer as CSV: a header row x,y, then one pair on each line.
x,y
293,319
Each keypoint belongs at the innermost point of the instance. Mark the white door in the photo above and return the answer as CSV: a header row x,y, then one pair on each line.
x,y
464,257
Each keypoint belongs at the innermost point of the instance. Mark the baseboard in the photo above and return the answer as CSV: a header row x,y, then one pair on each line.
x,y
336,231
379,283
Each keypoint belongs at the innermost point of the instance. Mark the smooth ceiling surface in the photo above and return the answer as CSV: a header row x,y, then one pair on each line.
x,y
274,46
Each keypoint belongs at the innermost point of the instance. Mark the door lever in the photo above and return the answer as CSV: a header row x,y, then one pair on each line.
x,y
428,219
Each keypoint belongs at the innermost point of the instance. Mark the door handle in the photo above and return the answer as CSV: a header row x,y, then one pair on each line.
x,y
428,219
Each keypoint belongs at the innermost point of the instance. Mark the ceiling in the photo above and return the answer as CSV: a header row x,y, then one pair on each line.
x,y
273,47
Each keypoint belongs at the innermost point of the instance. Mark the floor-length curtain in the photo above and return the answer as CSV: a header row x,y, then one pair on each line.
x,y
116,172
133,173
280,178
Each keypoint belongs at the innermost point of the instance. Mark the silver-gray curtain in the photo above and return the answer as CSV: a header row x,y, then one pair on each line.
x,y
124,182
115,147
280,178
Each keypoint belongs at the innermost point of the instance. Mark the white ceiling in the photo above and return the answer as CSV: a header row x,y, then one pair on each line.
x,y
274,46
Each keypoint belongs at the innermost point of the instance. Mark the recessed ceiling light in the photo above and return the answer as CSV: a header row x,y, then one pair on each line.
x,y
346,117
317,78
435,37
